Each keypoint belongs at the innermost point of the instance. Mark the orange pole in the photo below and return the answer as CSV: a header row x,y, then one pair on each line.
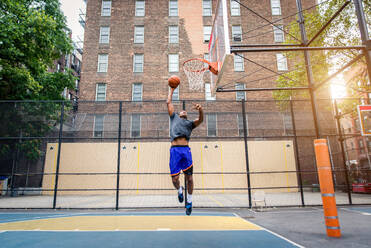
x,y
327,188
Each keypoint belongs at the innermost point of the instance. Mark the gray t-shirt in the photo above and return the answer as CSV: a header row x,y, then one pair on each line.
x,y
180,127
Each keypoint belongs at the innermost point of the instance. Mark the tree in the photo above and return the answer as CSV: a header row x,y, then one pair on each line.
x,y
343,31
33,36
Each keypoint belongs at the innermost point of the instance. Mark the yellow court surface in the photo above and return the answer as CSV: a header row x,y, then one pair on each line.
x,y
134,229
132,223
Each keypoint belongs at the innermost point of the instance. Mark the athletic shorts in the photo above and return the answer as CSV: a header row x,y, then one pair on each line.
x,y
180,160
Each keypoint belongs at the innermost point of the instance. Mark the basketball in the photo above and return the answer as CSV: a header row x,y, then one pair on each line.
x,y
174,81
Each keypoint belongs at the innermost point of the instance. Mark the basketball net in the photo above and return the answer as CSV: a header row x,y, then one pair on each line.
x,y
194,70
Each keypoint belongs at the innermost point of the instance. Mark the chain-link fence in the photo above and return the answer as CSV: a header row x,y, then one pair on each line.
x,y
115,155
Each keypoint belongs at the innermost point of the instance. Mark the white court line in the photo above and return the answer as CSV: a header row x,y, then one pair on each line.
x,y
42,217
275,234
163,229
356,211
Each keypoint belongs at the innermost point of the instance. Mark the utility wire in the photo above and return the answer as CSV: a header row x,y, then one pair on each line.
x,y
281,19
250,74
262,17
267,68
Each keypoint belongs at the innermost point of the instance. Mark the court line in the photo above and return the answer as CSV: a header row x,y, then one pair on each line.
x,y
221,163
217,202
286,168
42,217
275,234
356,211
137,192
152,230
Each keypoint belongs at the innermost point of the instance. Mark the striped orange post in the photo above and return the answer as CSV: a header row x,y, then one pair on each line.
x,y
327,188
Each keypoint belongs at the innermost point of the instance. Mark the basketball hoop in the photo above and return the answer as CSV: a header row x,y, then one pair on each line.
x,y
195,69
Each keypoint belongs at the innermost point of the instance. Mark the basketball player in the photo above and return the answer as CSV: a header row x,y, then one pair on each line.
x,y
180,153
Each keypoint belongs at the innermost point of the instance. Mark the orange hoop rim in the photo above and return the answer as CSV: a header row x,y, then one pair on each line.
x,y
211,64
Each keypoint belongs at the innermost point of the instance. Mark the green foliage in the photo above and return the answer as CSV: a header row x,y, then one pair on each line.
x,y
33,36
343,31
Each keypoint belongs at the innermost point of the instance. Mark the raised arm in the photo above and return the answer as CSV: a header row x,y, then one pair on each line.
x,y
200,119
170,106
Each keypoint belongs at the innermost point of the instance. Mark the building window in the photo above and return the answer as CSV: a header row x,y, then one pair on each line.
x,y
140,8
361,146
211,124
206,8
139,34
173,8
238,63
240,124
278,33
175,94
102,62
276,7
208,95
173,62
240,95
135,125
235,8
237,33
138,63
100,92
104,35
137,92
106,8
207,33
281,62
173,34
98,126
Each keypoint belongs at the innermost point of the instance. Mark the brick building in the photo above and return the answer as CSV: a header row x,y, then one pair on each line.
x,y
131,47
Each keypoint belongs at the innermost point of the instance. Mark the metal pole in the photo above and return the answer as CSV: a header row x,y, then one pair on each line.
x,y
308,67
246,150
364,34
185,181
331,161
294,49
58,156
297,154
118,157
341,139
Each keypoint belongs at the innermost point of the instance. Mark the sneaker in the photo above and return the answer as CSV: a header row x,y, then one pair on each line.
x,y
181,197
189,208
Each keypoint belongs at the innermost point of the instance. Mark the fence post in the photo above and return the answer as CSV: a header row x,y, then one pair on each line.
x,y
297,154
58,156
185,181
246,150
118,158
341,139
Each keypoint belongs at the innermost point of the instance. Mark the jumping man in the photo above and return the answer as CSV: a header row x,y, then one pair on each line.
x,y
180,153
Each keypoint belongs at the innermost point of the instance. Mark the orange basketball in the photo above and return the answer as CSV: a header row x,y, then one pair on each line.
x,y
174,81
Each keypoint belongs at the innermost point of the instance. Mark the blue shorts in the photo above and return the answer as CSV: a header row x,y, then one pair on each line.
x,y
180,160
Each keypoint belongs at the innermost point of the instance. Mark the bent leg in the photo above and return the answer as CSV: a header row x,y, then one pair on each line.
x,y
176,181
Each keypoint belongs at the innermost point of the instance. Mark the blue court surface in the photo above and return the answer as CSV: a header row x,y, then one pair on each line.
x,y
360,210
133,229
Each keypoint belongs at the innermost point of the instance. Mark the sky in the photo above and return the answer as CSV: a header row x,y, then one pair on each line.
x,y
71,10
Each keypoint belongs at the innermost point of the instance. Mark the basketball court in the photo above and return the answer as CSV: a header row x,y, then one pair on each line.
x,y
134,229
